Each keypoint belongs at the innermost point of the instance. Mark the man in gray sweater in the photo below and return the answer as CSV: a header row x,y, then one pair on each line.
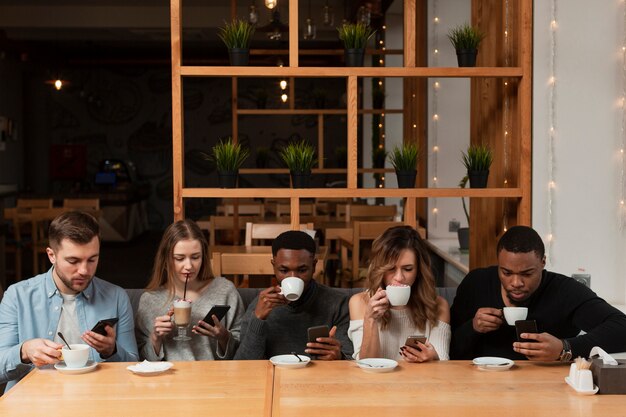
x,y
273,326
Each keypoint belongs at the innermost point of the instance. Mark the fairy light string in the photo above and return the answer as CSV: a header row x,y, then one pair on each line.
x,y
552,130
435,99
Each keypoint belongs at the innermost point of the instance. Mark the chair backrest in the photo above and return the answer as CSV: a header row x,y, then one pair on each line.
x,y
371,213
82,203
284,209
225,264
224,223
271,230
255,209
28,203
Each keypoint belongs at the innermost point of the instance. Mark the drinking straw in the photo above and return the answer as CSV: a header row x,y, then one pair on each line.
x,y
185,289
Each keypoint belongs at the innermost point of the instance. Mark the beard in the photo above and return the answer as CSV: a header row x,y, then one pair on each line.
x,y
73,286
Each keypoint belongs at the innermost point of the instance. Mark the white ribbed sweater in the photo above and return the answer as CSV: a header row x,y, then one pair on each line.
x,y
399,328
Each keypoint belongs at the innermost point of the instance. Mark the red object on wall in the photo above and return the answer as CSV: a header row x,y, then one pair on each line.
x,y
68,162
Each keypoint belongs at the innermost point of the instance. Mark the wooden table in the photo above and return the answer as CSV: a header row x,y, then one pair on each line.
x,y
255,388
453,388
203,388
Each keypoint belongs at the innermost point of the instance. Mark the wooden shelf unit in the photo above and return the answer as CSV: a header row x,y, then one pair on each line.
x,y
486,219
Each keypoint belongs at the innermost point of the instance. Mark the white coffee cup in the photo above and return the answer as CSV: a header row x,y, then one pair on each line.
x,y
76,357
291,288
398,295
512,314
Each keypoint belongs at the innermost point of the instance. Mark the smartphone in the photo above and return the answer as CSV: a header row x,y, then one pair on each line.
x,y
525,326
219,310
412,341
317,331
99,327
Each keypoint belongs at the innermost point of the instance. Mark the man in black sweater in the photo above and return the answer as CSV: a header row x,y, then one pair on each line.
x,y
273,326
561,306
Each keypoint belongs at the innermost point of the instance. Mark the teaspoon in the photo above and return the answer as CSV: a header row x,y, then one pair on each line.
x,y
62,338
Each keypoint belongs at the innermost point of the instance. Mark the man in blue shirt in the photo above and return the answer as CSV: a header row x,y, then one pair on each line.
x,y
67,299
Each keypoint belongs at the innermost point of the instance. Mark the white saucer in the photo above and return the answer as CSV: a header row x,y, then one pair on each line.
x,y
147,368
290,361
62,367
377,365
493,363
581,392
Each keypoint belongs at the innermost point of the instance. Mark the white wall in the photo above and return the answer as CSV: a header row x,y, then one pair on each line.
x,y
586,212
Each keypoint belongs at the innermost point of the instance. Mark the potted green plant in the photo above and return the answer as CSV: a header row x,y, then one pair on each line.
x,y
404,160
299,156
228,158
477,161
354,37
237,35
463,233
465,39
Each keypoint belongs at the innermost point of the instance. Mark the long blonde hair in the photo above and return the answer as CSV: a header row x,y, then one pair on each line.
x,y
163,272
386,251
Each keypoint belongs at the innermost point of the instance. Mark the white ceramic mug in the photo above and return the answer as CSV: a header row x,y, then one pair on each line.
x,y
512,314
76,357
291,288
398,295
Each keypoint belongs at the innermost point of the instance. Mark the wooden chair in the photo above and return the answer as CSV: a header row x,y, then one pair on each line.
x,y
269,231
223,224
20,220
284,209
370,213
246,209
86,204
361,231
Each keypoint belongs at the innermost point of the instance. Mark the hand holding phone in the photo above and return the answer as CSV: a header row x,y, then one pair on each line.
x,y
100,326
525,326
412,341
317,331
219,311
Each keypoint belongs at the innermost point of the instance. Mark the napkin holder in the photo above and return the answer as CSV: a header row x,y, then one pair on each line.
x,y
611,379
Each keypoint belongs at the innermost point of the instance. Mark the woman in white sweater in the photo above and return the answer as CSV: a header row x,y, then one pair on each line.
x,y
378,330
183,256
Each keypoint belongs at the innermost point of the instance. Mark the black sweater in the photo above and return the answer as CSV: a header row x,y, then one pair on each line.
x,y
561,306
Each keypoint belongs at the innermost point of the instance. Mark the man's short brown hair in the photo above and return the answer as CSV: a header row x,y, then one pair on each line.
x,y
77,226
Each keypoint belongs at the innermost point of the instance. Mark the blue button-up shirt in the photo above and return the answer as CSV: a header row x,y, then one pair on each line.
x,y
31,309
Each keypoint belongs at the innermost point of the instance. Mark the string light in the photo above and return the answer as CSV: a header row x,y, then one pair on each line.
x,y
283,84
552,130
58,84
435,100
284,97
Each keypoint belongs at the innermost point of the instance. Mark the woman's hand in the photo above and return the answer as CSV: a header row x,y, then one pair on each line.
x,y
377,305
163,325
217,331
427,353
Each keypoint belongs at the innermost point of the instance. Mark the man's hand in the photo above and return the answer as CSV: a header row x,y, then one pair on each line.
x,y
326,348
546,347
104,345
269,299
40,352
487,319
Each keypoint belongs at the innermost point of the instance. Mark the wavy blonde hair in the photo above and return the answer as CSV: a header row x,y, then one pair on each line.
x,y
386,251
163,272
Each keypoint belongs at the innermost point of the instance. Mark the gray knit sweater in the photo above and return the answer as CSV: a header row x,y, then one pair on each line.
x,y
156,303
285,329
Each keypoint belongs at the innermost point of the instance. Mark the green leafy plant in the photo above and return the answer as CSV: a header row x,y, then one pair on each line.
x,y
478,158
236,34
404,158
465,37
355,36
299,156
229,156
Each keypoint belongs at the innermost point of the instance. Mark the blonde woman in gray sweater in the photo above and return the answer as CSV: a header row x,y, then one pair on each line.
x,y
379,330
183,256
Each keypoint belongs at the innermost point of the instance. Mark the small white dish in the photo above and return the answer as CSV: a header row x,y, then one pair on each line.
x,y
493,363
377,365
62,367
581,392
290,361
148,368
